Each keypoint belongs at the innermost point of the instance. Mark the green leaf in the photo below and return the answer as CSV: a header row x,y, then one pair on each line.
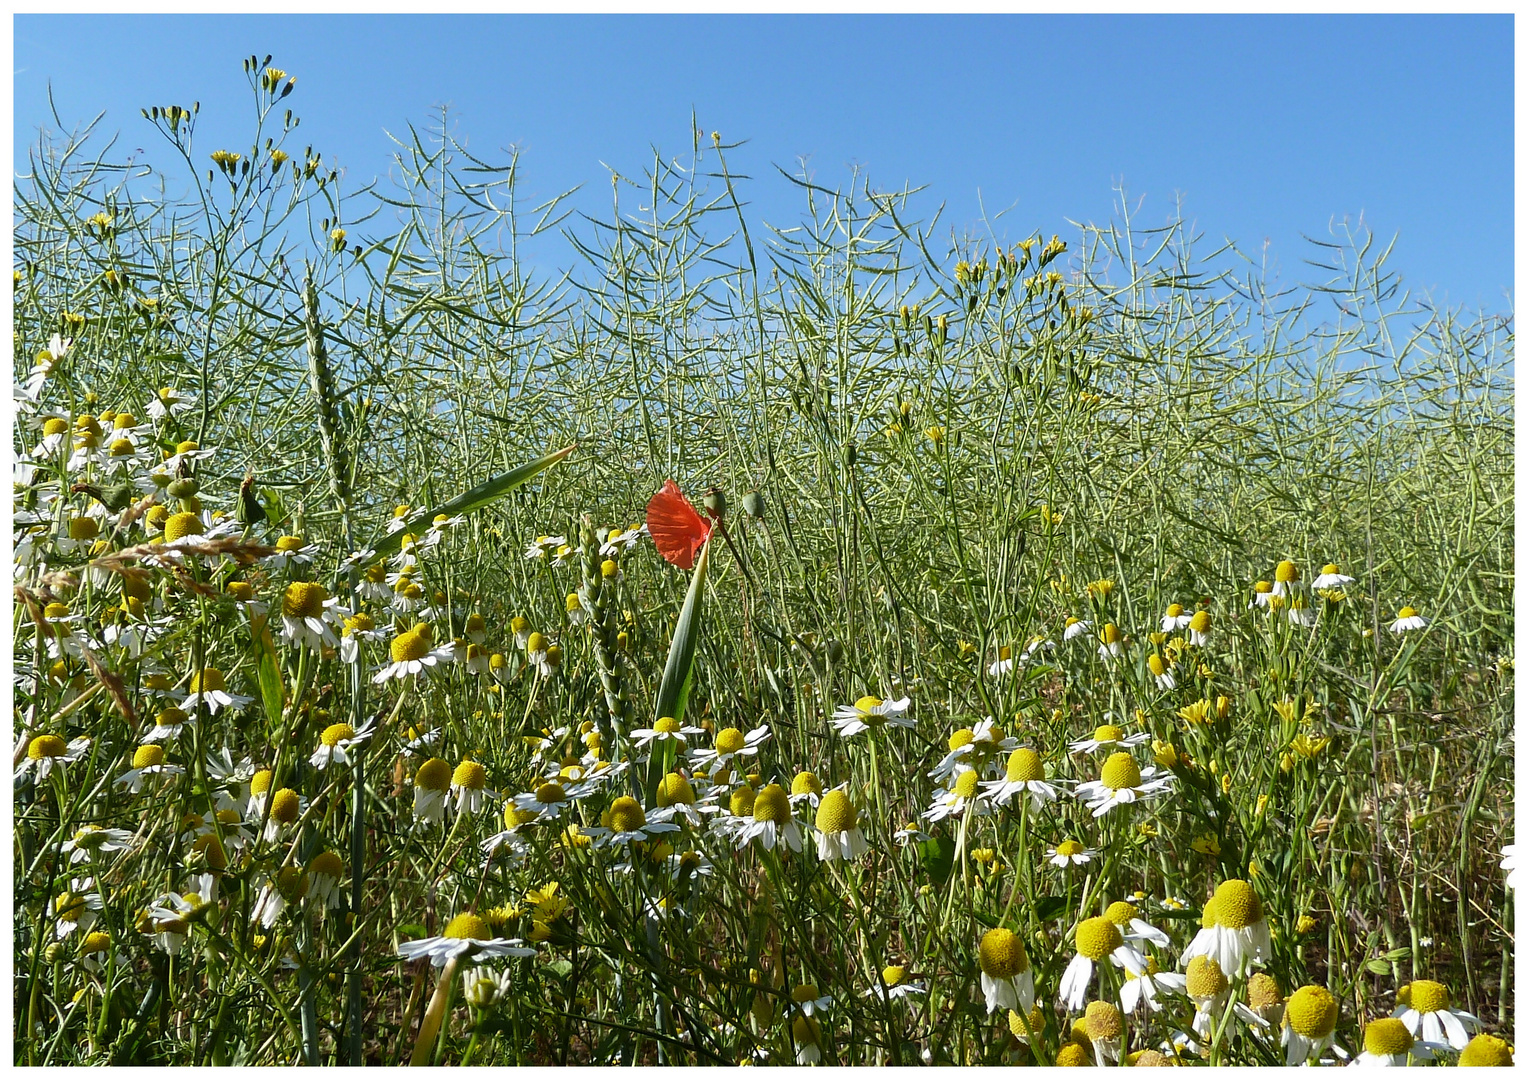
x,y
268,675
674,690
468,501
937,856
1047,908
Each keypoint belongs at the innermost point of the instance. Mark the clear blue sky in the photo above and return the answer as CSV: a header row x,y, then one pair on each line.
x,y
1267,126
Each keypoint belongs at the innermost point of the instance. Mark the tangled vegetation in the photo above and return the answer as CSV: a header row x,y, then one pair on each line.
x,y
1066,652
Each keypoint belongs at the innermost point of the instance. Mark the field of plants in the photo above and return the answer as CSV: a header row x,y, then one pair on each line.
x,y
843,641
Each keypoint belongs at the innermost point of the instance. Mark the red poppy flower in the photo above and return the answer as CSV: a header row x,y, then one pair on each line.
x,y
678,531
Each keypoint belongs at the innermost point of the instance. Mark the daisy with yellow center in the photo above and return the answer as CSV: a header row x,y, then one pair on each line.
x,y
665,730
76,908
1310,1022
1007,979
91,841
49,753
309,616
730,743
1161,672
1407,619
1069,853
546,803
413,653
543,546
1074,628
1097,939
1025,774
871,712
1331,577
467,935
1175,618
809,1000
432,782
209,690
1286,579
291,551
1486,1050
1235,933
285,810
440,525
806,788
168,401
1111,643
288,887
1122,781
469,787
1262,594
1142,985
148,763
55,430
336,740
964,791
772,821
326,871
1106,1030
625,822
895,982
1424,1007
838,832
1108,736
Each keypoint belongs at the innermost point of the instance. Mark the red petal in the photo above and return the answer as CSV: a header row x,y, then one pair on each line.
x,y
677,530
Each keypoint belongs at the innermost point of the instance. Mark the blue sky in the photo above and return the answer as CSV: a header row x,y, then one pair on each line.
x,y
1267,127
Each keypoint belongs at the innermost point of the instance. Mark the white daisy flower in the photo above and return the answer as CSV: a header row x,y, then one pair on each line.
x,y
209,690
1235,933
48,753
1075,628
1174,619
1387,1043
837,830
1127,916
1111,642
543,546
288,887
667,729
1142,986
772,821
336,741
871,712
467,935
432,782
75,909
89,841
1097,939
626,822
1161,673
169,724
1121,781
469,786
412,655
148,761
730,743
309,616
1008,981
964,791
810,1000
1025,774
1310,1021
547,802
1109,737
326,871
1069,853
1407,619
1331,578
1286,579
1423,1006
895,983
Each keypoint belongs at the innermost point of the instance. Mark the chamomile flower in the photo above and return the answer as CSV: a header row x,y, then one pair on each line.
x,y
838,832
1074,627
1122,781
894,983
1300,613
1234,932
469,787
186,452
806,1033
168,920
1004,663
547,802
1388,1043
1070,853
806,788
1142,985
55,431
628,822
1105,1028
335,742
326,871
1199,628
148,763
667,729
169,401
1006,977
46,754
288,887
730,743
170,724
91,841
1111,642
1286,579
871,712
412,654
1331,578
1109,737
75,908
439,526
373,585
772,821
1310,1022
209,690
1127,916
543,546
1486,1050
1264,1009
286,807
1423,1006
1208,988
910,833
468,935
1175,618
432,782
309,615
810,1000
1097,939
964,791
1161,672
1407,619
1025,774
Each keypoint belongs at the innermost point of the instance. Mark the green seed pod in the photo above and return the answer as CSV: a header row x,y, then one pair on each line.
x,y
120,496
184,487
753,505
249,511
715,502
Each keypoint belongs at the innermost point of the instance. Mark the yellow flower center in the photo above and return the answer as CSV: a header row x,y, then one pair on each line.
x,y
772,804
69,907
241,590
741,801
1154,662
961,738
411,645
1286,572
551,792
1204,979
667,725
1263,991
1428,996
1200,623
1174,610
805,992
208,679
326,864
1025,765
433,775
1263,587
806,783
1486,1049
1098,937
147,756
1236,905
627,815
674,788
180,526
304,600
46,746
1407,612
1072,1054
894,975
1120,771
211,848
96,942
335,733
123,420
55,426
84,528
536,643
965,784
1102,1020
470,775
1002,954
260,783
1330,568
1110,634
289,543
836,813
806,1030
1121,912
122,447
1311,1012
867,703
1387,1036
1108,733
465,926
730,741
284,806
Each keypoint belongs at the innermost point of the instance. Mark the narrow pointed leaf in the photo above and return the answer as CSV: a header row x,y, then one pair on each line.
x,y
468,501
674,690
